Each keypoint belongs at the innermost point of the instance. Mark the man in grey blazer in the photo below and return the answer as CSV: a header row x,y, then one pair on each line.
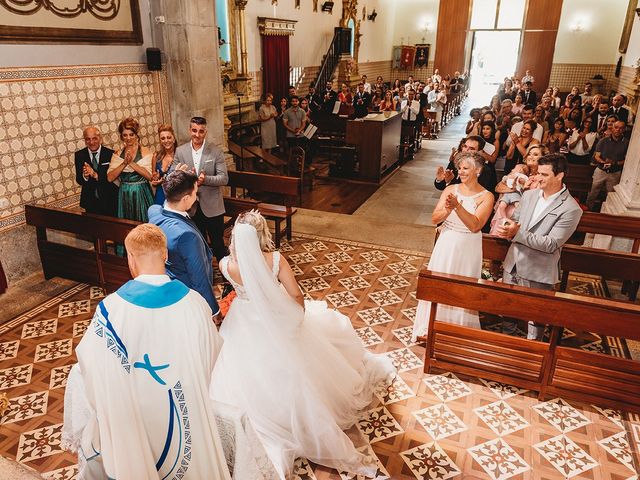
x,y
545,220
207,161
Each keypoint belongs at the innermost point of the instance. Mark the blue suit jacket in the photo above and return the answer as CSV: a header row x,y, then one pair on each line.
x,y
189,255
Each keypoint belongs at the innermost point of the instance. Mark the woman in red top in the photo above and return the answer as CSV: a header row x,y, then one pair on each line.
x,y
388,105
345,95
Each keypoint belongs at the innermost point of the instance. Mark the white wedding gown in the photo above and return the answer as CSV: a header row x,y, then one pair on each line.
x,y
458,251
302,377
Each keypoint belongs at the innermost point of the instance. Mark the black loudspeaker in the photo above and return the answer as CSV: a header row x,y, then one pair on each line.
x,y
154,60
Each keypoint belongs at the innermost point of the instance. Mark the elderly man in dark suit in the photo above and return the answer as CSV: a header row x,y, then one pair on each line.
x,y
207,161
189,257
98,195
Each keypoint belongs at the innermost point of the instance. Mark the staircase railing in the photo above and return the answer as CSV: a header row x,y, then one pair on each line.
x,y
340,44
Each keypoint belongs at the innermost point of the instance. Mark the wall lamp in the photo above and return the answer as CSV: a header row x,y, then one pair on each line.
x,y
373,15
327,7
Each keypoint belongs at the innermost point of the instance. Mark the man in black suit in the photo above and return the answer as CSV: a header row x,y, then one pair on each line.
x,y
618,109
329,99
98,195
528,96
599,117
361,101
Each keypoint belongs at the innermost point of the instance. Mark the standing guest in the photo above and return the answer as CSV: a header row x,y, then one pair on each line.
x,y
366,85
132,167
379,84
587,95
608,131
527,114
449,175
267,115
609,157
361,101
436,77
98,195
546,219
207,162
329,99
574,118
519,143
528,77
463,209
294,121
473,123
304,106
410,109
377,99
280,130
618,109
489,134
189,257
140,389
388,104
162,160
291,92
517,106
599,117
581,142
409,85
315,100
555,96
556,137
346,100
528,95
397,85
539,116
437,99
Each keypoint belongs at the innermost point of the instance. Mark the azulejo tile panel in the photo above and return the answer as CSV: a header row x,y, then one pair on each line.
x,y
42,114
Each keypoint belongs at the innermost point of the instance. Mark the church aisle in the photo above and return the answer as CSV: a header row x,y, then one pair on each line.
x,y
424,426
409,196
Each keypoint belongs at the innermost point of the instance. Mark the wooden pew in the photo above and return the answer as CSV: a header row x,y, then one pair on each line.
x,y
288,188
578,180
277,164
576,258
548,368
97,266
242,156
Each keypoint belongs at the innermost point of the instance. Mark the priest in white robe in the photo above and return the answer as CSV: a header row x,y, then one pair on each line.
x,y
137,404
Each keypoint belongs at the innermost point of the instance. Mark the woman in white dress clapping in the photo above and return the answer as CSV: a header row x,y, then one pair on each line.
x,y
463,209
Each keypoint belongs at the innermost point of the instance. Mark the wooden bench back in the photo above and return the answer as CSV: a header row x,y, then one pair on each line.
x,y
97,266
288,187
548,368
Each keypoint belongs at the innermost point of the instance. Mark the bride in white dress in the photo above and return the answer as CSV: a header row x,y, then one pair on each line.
x,y
297,368
463,208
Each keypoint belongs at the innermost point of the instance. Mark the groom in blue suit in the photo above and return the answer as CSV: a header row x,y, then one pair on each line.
x,y
189,255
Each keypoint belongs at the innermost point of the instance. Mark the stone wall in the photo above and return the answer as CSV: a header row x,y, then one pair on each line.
x,y
42,114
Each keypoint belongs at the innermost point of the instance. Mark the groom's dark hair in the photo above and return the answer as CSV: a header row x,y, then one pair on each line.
x,y
178,183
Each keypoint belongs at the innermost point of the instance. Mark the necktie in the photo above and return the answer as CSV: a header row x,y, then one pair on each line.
x,y
94,160
601,123
409,111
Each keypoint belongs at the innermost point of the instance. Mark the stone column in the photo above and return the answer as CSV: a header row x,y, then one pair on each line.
x,y
190,42
625,200
244,68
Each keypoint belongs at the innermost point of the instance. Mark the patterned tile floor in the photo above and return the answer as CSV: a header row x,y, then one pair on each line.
x,y
424,426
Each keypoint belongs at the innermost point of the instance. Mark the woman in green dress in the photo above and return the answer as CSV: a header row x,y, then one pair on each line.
x,y
131,166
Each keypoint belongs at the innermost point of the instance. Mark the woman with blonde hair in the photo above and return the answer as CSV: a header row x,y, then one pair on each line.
x,y
162,159
131,167
296,367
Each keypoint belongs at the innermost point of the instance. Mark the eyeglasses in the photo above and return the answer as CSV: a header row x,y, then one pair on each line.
x,y
199,120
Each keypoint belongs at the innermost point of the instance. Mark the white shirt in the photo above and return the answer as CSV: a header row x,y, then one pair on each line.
x,y
414,108
153,279
543,203
197,156
169,209
97,152
517,128
579,148
367,87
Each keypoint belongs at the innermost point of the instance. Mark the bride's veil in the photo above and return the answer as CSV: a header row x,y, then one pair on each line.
x,y
270,302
